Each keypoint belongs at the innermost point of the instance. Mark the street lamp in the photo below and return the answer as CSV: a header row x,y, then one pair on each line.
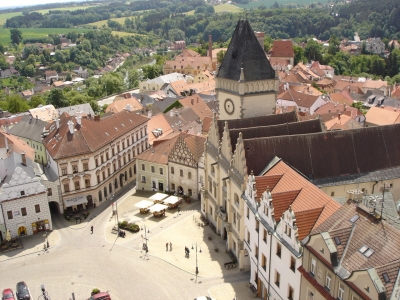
x,y
197,268
146,230
47,240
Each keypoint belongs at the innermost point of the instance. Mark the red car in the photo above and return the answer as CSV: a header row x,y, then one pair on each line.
x,y
8,295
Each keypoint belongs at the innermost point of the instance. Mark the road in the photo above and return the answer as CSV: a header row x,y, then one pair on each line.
x,y
82,261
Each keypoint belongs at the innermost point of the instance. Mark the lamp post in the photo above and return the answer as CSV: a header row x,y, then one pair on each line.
x,y
146,230
47,240
197,268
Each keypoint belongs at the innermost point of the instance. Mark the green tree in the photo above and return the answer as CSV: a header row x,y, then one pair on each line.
x,y
334,44
17,104
151,72
36,100
133,78
30,60
16,36
68,77
29,71
220,56
57,98
3,62
313,50
298,54
113,83
176,34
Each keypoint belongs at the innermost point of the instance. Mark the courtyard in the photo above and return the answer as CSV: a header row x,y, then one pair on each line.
x,y
79,261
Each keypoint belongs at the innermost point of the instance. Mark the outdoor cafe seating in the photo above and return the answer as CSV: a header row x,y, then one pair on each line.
x,y
172,201
158,210
144,206
158,197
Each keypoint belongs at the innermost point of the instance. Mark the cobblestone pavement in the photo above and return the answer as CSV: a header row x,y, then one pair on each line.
x,y
79,261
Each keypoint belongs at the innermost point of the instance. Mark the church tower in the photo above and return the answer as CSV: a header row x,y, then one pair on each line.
x,y
246,84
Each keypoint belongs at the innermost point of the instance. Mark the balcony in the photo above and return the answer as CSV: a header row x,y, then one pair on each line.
x,y
221,212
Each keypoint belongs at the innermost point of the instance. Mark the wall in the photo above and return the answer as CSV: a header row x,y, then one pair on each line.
x,y
150,176
40,150
183,181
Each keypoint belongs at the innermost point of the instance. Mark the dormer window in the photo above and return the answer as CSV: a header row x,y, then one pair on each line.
x,y
22,193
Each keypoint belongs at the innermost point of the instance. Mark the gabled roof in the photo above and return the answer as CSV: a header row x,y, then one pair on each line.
x,y
311,206
91,135
16,145
245,52
367,231
119,105
329,154
258,121
198,106
382,116
340,98
301,99
159,154
29,128
283,48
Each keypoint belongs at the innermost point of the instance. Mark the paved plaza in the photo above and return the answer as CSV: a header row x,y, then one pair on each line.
x,y
78,261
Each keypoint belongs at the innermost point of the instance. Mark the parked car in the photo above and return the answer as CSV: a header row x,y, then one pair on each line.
x,y
8,294
101,296
23,291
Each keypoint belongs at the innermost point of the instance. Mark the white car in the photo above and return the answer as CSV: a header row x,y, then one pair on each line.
x,y
204,298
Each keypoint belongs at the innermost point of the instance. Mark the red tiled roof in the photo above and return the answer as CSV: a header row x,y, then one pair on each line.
x,y
264,182
282,49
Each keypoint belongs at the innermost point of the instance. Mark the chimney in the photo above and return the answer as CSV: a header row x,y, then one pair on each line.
x,y
71,127
149,114
23,157
210,46
79,120
97,118
338,116
171,113
58,123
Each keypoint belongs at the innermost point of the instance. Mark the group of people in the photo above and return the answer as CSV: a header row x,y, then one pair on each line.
x,y
187,252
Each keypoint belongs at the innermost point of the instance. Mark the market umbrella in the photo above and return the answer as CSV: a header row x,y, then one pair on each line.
x,y
8,235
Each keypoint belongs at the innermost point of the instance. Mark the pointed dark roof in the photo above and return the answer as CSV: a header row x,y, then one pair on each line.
x,y
245,52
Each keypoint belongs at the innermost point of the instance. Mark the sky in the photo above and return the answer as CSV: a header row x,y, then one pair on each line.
x,y
16,3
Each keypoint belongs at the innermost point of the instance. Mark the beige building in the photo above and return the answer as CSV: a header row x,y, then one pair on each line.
x,y
188,62
351,256
94,157
174,164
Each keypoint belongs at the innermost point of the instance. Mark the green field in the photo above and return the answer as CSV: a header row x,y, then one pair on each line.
x,y
123,33
268,3
35,33
4,17
222,8
104,22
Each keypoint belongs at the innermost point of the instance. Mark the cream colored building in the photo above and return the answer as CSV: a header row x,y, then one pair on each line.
x,y
350,257
94,157
173,164
156,84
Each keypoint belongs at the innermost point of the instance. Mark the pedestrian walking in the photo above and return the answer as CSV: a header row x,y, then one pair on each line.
x,y
166,245
170,246
91,229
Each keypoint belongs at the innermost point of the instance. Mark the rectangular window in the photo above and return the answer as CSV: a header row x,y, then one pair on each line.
x,y
278,250
64,171
277,278
265,210
181,173
9,215
108,172
66,188
256,251
313,265
37,208
341,292
153,169
23,211
144,179
143,167
102,159
161,171
113,151
85,166
74,169
173,186
210,186
117,148
263,261
328,281
98,179
211,210
248,212
292,264
248,237
290,293
107,158
265,233
172,170
123,145
234,217
257,225
97,162
77,185
190,192
87,183
189,175
49,192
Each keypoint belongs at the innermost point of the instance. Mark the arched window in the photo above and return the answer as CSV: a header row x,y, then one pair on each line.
x,y
105,192
100,196
126,176
110,187
130,172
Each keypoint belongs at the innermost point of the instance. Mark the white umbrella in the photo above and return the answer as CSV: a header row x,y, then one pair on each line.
x,y
8,235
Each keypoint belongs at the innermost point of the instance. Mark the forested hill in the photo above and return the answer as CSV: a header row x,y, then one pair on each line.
x,y
367,17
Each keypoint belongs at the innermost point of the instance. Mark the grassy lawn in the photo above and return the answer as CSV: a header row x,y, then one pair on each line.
x,y
123,33
223,8
104,22
35,32
4,17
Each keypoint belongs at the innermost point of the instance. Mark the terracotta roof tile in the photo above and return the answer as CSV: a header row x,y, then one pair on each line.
x,y
305,221
281,202
282,49
301,99
198,106
264,182
119,105
382,116
158,154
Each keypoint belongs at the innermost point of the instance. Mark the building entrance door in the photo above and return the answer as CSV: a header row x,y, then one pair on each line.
x,y
160,186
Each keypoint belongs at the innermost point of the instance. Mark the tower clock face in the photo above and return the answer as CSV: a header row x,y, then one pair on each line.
x,y
229,106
